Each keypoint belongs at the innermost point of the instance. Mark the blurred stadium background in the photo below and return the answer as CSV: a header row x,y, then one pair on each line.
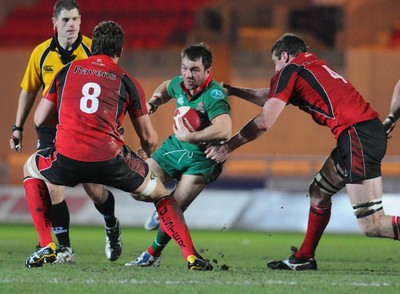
x,y
359,38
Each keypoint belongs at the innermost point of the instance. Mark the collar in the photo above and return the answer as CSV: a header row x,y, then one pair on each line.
x,y
199,89
65,55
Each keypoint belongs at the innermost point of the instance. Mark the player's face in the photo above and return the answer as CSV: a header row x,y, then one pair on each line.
x,y
193,73
68,25
281,61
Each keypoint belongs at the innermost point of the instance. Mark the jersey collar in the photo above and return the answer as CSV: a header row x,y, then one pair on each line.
x,y
65,55
199,89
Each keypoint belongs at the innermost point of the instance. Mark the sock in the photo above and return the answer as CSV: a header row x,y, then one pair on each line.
x,y
159,243
396,227
107,209
173,223
60,221
39,202
318,219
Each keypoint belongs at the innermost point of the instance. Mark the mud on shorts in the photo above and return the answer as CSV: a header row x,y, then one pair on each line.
x,y
125,172
360,150
177,162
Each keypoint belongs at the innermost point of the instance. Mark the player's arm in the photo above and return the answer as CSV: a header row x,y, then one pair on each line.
x,y
146,132
219,130
46,113
25,103
394,113
159,97
257,96
251,131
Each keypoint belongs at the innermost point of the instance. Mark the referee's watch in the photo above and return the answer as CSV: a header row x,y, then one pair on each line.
x,y
15,128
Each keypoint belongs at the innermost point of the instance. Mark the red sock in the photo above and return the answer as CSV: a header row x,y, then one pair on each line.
x,y
39,203
173,223
318,219
396,227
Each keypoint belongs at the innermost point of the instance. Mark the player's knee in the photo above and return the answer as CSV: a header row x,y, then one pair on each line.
x,y
371,229
323,186
153,190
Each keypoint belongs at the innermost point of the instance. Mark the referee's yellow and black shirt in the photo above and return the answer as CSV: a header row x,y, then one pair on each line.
x,y
48,58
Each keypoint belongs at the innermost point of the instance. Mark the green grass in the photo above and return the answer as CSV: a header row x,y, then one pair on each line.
x,y
347,264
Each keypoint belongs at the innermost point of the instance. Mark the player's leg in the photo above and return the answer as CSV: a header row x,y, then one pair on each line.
x,y
172,220
187,189
327,182
39,202
60,218
153,222
365,185
104,202
366,199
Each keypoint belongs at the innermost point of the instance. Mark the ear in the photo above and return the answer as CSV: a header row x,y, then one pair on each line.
x,y
53,20
285,56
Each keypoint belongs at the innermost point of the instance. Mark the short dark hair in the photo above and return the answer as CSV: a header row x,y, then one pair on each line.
x,y
108,39
197,51
290,43
65,4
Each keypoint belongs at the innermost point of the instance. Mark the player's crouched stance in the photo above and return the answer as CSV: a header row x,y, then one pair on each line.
x,y
89,143
126,172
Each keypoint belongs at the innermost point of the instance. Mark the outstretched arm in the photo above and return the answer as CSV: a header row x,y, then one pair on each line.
x,y
251,131
394,113
257,96
160,96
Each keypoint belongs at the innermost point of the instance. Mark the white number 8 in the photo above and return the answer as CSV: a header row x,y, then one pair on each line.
x,y
89,101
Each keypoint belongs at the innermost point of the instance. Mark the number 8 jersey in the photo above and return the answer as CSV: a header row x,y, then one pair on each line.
x,y
92,97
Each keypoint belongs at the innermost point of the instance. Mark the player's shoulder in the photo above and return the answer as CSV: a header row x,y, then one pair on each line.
x,y
215,91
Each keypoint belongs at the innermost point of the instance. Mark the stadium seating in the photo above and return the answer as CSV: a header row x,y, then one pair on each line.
x,y
148,24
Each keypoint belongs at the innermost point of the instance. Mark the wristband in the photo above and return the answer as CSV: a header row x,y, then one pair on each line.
x,y
155,101
391,117
15,128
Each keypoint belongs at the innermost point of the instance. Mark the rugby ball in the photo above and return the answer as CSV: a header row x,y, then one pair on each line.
x,y
191,118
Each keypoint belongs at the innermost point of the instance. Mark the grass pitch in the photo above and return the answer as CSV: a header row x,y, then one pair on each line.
x,y
347,264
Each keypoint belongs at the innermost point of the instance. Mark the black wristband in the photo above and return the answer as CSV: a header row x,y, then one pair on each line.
x,y
15,128
391,117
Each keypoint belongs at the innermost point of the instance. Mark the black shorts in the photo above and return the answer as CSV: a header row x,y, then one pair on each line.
x,y
125,172
360,150
46,137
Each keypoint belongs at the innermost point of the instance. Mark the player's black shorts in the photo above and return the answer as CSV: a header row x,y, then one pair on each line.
x,y
126,174
46,137
360,150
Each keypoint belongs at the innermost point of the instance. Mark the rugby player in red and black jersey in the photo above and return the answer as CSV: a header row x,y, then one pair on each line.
x,y
304,80
46,60
90,97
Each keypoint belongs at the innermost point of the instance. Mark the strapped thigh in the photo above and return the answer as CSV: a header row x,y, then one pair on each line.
x,y
326,185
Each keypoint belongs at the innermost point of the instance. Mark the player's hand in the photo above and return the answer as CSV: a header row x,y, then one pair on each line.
x,y
388,124
153,104
181,132
226,88
16,141
219,153
141,153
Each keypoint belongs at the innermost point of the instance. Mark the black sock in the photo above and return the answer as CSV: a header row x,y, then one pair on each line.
x,y
107,209
60,223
